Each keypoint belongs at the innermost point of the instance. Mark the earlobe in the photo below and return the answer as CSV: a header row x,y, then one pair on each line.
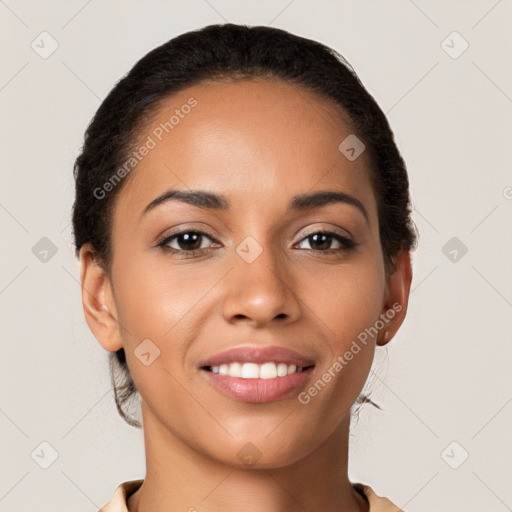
x,y
98,301
398,289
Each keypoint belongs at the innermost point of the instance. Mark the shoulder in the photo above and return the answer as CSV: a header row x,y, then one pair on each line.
x,y
121,495
126,489
377,503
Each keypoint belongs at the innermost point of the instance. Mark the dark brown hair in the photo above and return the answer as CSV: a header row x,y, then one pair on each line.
x,y
217,52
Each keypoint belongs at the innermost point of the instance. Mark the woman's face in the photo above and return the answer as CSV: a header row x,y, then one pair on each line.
x,y
262,275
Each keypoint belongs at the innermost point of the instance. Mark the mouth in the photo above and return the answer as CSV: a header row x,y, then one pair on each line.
x,y
257,375
268,370
255,383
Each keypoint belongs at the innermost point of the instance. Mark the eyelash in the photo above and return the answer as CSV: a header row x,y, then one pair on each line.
x,y
183,253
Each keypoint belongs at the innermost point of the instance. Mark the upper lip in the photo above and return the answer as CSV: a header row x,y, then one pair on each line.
x,y
259,355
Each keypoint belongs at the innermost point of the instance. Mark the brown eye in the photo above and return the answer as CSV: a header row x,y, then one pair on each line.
x,y
322,241
186,242
189,241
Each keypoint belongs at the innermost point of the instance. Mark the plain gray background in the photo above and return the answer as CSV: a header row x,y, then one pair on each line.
x,y
444,381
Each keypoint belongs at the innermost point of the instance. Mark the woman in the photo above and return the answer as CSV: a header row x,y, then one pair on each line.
x,y
242,218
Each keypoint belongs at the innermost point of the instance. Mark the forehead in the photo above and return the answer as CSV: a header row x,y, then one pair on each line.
x,y
245,140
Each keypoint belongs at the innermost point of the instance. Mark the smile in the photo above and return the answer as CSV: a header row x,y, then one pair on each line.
x,y
257,383
269,370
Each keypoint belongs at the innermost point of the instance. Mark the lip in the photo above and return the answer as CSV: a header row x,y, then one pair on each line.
x,y
258,390
258,355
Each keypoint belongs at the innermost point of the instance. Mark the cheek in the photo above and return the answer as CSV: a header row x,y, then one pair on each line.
x,y
153,297
161,304
345,302
346,298
155,306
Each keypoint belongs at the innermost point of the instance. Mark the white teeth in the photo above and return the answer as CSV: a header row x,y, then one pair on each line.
x,y
268,370
250,371
235,370
282,370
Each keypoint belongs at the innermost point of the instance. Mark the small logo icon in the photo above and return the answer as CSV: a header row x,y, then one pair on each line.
x,y
44,45
351,147
507,193
44,250
454,455
146,352
454,249
454,45
249,249
249,454
44,455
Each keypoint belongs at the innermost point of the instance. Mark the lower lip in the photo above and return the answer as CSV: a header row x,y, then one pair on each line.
x,y
258,390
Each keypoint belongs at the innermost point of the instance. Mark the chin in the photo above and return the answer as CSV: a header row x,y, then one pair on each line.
x,y
256,453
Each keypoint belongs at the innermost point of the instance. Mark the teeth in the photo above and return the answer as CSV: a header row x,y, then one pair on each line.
x,y
282,370
250,371
268,370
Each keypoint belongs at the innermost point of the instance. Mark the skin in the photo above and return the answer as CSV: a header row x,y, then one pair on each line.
x,y
259,143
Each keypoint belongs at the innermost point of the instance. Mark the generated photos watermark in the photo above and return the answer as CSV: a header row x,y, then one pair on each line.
x,y
136,156
343,359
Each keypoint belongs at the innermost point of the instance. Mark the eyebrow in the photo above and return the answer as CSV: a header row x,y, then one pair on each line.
x,y
300,202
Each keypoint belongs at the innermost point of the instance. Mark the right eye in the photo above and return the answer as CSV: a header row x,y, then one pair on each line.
x,y
189,243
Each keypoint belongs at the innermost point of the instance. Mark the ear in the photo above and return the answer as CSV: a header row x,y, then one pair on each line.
x,y
396,297
98,301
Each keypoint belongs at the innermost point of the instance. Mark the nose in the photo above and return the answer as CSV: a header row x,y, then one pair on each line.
x,y
261,291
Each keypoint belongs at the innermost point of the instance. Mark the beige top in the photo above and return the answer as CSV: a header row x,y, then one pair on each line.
x,y
126,489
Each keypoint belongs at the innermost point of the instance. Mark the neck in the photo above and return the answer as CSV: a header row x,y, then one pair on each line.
x,y
180,478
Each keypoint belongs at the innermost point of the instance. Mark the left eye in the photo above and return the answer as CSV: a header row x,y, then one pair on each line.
x,y
323,240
